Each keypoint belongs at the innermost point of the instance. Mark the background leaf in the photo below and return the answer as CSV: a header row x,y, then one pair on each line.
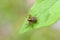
x,y
47,13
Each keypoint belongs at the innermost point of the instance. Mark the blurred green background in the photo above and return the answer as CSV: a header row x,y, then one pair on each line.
x,y
12,15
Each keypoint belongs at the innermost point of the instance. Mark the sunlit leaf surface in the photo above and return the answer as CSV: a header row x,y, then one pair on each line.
x,y
47,13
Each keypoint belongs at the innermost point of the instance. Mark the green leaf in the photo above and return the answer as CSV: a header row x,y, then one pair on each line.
x,y
47,13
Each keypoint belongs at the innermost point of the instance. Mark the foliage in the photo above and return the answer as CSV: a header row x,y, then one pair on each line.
x,y
47,13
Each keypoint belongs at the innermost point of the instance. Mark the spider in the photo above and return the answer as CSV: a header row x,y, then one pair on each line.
x,y
32,19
